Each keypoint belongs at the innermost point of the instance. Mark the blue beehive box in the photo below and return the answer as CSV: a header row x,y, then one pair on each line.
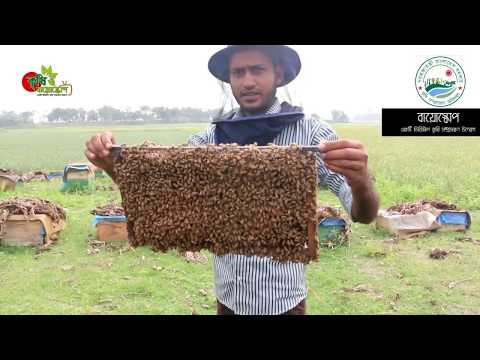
x,y
330,228
77,177
111,227
454,220
53,174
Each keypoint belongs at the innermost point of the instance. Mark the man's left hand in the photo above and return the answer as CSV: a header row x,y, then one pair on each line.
x,y
349,158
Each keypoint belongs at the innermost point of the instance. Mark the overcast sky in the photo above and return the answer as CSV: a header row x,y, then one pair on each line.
x,y
356,79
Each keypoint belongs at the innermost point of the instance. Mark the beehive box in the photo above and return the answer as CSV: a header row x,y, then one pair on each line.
x,y
332,228
8,182
454,220
329,228
54,174
408,225
35,230
77,177
110,228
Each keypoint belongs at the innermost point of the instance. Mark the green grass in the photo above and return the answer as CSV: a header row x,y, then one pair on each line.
x,y
390,278
52,147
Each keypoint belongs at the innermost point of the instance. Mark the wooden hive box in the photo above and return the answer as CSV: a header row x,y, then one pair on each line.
x,y
8,182
33,230
111,228
77,176
78,172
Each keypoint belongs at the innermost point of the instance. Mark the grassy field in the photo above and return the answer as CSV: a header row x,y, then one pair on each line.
x,y
374,275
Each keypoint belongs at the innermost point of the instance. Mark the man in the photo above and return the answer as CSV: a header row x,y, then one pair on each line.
x,y
258,285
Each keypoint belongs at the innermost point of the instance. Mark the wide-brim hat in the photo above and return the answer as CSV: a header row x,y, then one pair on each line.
x,y
288,58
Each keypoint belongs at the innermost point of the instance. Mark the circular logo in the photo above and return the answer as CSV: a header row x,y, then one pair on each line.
x,y
440,81
26,83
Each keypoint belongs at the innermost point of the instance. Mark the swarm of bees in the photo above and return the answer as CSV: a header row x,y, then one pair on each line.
x,y
416,207
25,177
327,212
109,209
226,199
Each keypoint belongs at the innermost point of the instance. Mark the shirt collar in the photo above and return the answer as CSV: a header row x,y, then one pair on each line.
x,y
274,109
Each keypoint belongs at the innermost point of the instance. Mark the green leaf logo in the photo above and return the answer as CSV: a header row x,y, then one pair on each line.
x,y
47,71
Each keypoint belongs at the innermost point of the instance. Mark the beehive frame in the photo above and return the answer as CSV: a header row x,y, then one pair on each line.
x,y
227,199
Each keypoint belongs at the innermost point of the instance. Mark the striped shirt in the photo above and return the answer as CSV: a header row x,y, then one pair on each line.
x,y
252,285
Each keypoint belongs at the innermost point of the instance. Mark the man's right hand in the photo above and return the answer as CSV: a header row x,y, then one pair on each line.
x,y
98,151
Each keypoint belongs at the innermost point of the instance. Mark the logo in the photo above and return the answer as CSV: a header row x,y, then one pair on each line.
x,y
440,81
44,84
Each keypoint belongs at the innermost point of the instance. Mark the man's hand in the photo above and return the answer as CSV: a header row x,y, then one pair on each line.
x,y
98,151
349,158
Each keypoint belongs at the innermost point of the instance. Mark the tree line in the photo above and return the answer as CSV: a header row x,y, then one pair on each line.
x,y
109,114
12,119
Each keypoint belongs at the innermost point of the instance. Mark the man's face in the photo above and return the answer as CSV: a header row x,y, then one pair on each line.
x,y
254,79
